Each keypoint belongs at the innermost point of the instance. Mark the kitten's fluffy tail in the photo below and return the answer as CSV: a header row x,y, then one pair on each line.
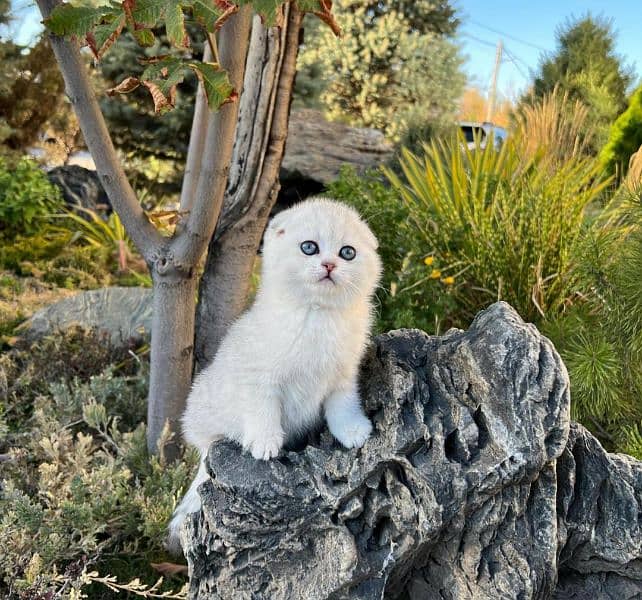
x,y
190,503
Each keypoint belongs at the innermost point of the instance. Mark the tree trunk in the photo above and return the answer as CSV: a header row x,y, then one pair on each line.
x,y
171,357
174,280
253,182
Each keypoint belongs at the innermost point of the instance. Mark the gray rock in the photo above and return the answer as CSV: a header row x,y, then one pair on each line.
x,y
80,187
316,149
123,312
471,487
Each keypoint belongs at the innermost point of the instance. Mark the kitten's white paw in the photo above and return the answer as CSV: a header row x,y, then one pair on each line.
x,y
264,447
353,433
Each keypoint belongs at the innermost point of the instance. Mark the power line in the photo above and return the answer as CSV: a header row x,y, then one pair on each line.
x,y
485,42
508,35
514,60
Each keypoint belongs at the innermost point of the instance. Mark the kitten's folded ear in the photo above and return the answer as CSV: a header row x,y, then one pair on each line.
x,y
276,225
373,242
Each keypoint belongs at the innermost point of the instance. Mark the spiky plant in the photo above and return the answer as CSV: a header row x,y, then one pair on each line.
x,y
600,336
512,222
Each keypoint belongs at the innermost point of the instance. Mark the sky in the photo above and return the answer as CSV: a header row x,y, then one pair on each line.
x,y
527,30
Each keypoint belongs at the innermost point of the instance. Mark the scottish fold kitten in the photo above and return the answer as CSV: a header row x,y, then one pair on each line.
x,y
293,357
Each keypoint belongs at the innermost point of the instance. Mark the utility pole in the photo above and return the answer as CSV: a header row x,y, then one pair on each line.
x,y
493,86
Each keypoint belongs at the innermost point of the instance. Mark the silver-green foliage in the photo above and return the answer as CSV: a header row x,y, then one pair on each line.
x,y
81,494
391,70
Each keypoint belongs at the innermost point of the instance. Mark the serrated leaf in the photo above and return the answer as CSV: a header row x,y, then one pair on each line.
x,y
270,11
175,24
161,79
105,35
128,84
162,103
206,13
146,12
66,19
323,10
144,37
216,83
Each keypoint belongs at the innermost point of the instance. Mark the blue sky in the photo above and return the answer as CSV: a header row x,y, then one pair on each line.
x,y
531,27
526,29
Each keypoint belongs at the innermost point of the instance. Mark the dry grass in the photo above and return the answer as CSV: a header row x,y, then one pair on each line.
x,y
554,127
21,297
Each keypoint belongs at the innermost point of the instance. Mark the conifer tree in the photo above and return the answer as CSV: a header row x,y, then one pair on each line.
x,y
586,66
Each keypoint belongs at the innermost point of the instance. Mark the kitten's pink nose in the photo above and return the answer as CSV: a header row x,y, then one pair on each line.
x,y
329,266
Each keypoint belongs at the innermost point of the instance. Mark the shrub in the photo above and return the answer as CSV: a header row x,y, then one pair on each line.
x,y
625,136
600,335
84,507
409,295
510,224
26,197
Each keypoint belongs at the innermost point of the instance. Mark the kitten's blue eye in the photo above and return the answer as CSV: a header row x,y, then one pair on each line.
x,y
309,248
347,253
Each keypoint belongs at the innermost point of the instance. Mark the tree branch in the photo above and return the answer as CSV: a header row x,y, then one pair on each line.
x,y
98,140
200,123
252,191
190,244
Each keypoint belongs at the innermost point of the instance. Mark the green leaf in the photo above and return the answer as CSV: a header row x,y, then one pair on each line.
x,y
144,37
175,24
161,79
105,35
215,80
66,19
270,11
147,12
206,13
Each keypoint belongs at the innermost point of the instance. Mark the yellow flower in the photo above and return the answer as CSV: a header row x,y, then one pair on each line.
x,y
429,260
435,274
448,280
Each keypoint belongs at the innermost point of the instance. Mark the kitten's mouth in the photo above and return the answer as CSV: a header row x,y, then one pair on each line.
x,y
328,278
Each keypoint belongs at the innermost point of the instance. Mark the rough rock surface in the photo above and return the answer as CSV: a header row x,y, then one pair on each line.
x,y
316,149
123,312
471,487
80,187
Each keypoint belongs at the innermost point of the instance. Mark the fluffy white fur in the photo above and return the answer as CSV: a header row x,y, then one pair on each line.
x,y
294,355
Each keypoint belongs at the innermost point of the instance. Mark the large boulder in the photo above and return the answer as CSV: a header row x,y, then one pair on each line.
x,y
471,487
316,149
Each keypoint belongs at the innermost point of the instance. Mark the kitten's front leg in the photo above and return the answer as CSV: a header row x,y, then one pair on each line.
x,y
345,417
263,435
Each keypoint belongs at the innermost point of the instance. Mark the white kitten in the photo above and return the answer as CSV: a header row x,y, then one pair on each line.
x,y
295,353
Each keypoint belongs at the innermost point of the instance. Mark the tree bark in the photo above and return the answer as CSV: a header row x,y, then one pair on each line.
x,y
253,182
174,280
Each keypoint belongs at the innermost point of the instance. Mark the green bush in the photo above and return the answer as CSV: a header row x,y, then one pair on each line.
x,y
84,507
600,335
26,197
415,290
509,226
625,136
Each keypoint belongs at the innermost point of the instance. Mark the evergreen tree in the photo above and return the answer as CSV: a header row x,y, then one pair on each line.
x,y
396,68
132,122
586,66
625,137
